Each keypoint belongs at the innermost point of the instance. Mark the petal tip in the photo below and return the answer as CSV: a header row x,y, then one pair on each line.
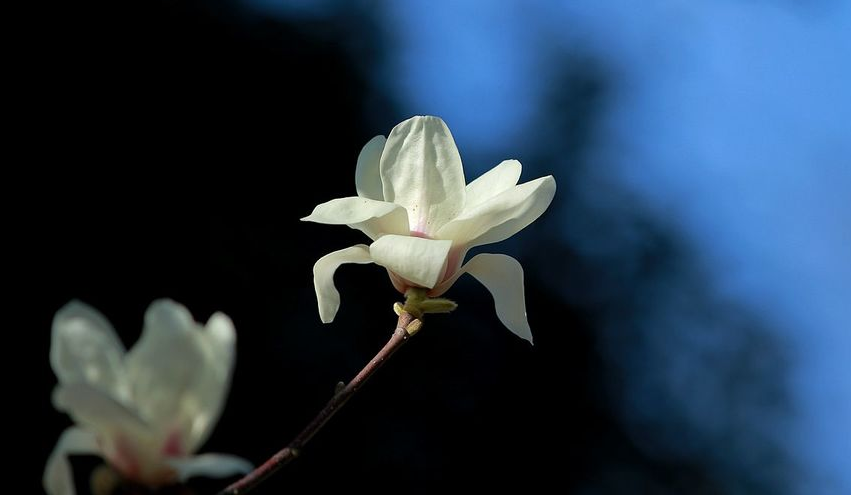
x,y
73,306
221,328
550,180
170,314
76,308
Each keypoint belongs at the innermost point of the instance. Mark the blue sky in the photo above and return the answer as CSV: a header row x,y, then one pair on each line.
x,y
731,119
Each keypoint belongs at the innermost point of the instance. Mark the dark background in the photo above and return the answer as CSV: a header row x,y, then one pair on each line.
x,y
179,142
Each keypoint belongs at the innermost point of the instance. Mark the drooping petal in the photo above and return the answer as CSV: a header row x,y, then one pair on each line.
x,y
85,349
367,174
58,478
180,373
501,216
327,295
371,217
421,170
503,276
421,261
495,181
209,465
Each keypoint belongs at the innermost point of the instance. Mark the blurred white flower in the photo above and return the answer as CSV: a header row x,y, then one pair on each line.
x,y
147,410
414,204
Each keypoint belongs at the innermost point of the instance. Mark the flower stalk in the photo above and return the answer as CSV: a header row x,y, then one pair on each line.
x,y
406,326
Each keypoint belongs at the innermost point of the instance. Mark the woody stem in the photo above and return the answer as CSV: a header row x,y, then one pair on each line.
x,y
406,326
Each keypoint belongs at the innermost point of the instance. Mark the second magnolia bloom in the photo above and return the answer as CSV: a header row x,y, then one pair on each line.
x,y
415,205
147,410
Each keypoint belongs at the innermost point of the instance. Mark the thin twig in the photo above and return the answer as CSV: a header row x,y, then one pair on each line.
x,y
404,329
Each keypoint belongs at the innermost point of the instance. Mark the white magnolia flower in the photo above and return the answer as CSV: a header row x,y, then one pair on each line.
x,y
422,217
147,410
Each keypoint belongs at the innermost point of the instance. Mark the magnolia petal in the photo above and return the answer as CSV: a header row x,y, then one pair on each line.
x,y
202,413
418,260
503,276
58,478
165,361
85,349
181,373
421,170
209,465
92,407
124,439
495,181
372,217
221,334
327,295
367,174
501,216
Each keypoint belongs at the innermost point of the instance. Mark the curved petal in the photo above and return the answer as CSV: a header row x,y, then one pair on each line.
x,y
209,465
501,216
371,217
421,261
58,478
100,413
203,411
421,170
129,444
327,295
367,174
495,181
221,335
503,276
90,406
180,374
85,349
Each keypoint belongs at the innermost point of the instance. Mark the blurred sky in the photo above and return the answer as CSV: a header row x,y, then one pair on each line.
x,y
729,119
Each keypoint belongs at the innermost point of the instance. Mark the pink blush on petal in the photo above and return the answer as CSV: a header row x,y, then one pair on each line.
x,y
173,446
400,283
124,459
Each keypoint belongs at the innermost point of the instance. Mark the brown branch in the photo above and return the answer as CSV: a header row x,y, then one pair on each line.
x,y
405,327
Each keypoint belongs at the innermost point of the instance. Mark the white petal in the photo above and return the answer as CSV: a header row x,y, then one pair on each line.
x,y
203,411
209,465
367,174
180,373
129,444
501,216
222,336
58,478
85,349
101,412
503,276
323,278
496,180
421,261
371,217
421,170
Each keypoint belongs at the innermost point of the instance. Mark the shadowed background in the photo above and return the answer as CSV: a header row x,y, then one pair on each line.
x,y
688,289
